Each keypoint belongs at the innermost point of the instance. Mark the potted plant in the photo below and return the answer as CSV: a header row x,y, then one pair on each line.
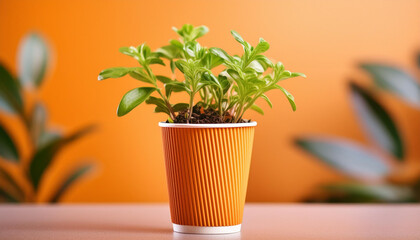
x,y
207,142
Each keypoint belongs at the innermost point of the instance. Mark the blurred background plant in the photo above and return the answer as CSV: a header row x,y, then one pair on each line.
x,y
381,174
19,99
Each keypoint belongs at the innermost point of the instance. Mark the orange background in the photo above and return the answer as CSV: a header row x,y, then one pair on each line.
x,y
323,39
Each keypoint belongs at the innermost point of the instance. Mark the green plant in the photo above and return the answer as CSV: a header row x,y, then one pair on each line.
x,y
230,92
387,177
44,144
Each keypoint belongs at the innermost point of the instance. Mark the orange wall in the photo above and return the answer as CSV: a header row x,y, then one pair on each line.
x,y
323,39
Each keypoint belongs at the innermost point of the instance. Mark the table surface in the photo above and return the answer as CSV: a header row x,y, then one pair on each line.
x,y
261,221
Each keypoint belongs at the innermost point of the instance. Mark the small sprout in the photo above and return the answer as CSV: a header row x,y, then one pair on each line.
x,y
228,93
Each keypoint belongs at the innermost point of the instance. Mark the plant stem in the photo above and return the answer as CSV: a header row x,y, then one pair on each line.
x,y
191,107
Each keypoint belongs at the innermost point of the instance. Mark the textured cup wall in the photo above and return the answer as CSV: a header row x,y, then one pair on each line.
x,y
207,172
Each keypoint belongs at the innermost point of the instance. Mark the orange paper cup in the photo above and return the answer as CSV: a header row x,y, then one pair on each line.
x,y
207,168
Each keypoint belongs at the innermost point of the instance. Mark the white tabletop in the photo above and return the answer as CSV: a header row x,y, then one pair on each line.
x,y
261,221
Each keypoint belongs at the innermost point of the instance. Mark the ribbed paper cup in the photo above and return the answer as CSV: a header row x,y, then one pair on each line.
x,y
207,168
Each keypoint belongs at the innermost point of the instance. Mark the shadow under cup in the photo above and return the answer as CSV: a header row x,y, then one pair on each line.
x,y
207,168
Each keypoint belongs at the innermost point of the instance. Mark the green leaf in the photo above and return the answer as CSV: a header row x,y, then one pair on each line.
x,y
180,106
7,196
220,53
43,157
256,66
380,193
377,121
267,100
346,157
237,37
156,61
396,81
32,60
117,72
234,74
75,176
37,122
289,97
133,98
176,87
10,98
257,109
164,79
170,52
158,102
296,74
173,66
130,51
262,46
140,75
8,149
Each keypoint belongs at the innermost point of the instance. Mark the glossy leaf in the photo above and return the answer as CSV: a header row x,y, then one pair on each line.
x,y
257,109
237,37
395,80
133,98
220,53
8,149
117,72
164,79
175,87
158,102
377,122
267,100
44,156
346,157
70,180
289,97
262,46
32,60
180,106
10,98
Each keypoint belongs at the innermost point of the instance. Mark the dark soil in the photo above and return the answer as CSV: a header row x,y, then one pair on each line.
x,y
201,116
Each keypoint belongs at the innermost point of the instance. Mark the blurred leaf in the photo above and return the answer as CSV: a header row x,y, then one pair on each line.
x,y
418,59
357,192
10,99
32,60
37,122
345,157
8,197
377,121
396,81
10,181
42,159
133,98
8,149
70,180
47,137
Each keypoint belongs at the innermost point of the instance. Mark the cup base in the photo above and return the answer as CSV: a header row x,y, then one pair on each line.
x,y
206,230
